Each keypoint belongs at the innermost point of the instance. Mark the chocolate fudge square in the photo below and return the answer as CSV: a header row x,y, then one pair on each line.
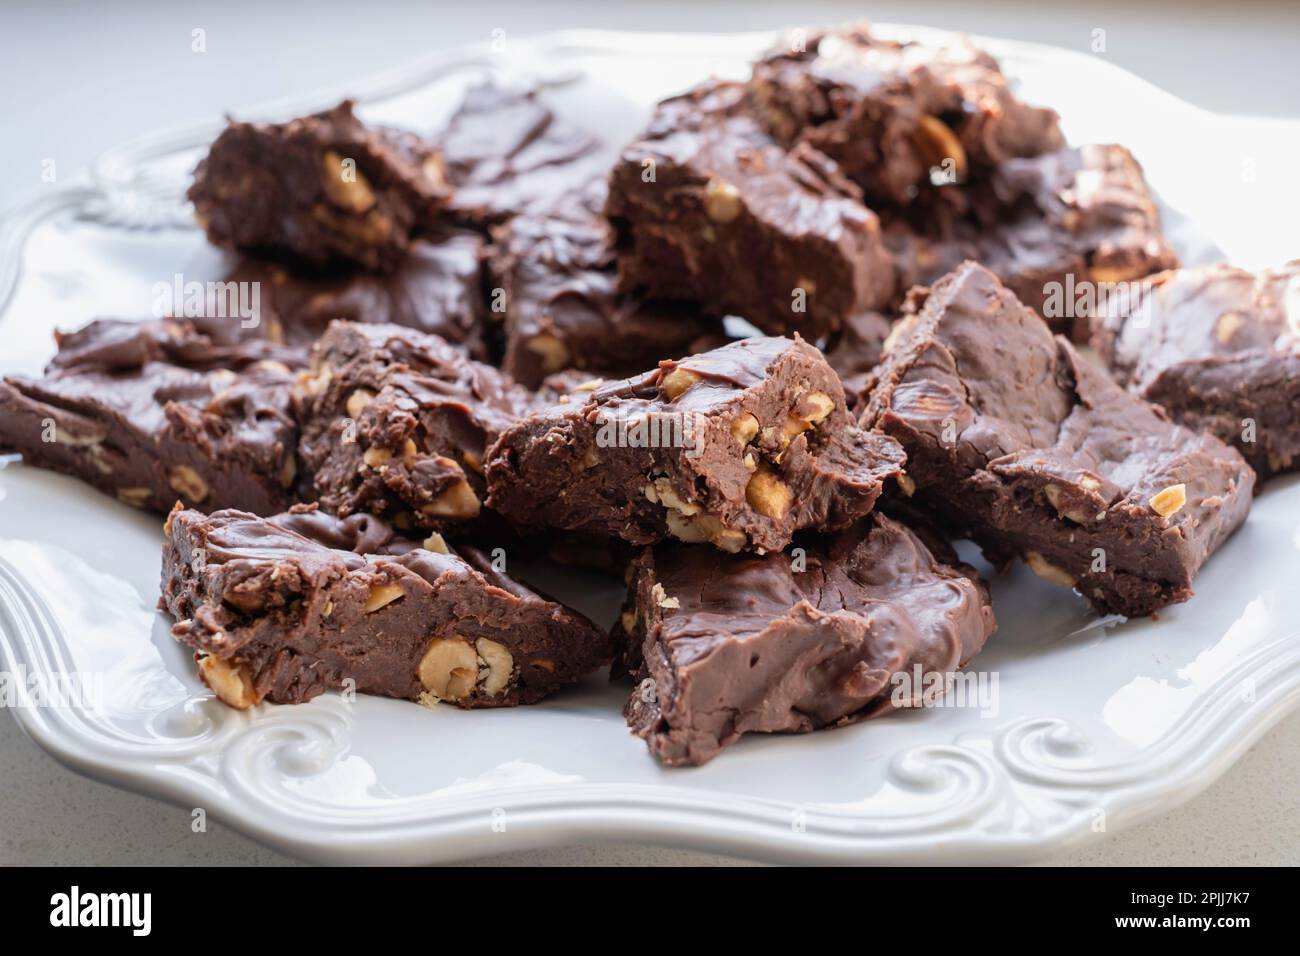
x,y
710,210
284,608
323,191
437,288
899,118
1047,226
1015,441
156,412
507,153
723,646
1219,349
395,423
558,288
1086,213
740,447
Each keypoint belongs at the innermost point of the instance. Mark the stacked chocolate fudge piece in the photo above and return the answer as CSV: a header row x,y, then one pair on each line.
x,y
958,167
1219,349
509,332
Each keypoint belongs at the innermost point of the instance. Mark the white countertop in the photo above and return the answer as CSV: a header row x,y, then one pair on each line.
x,y
86,76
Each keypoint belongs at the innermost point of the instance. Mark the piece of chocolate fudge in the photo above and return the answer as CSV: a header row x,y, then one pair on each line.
x,y
557,284
741,447
1219,349
851,629
1051,228
899,118
1015,441
709,209
323,190
436,288
506,153
395,423
284,608
158,411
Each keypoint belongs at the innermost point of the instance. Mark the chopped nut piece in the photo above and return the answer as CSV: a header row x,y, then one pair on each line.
x,y
815,407
935,142
351,192
721,201
906,485
186,482
1169,501
377,457
1120,273
1226,326
458,501
313,383
358,401
449,668
381,595
434,170
767,494
436,542
699,528
662,599
553,352
231,682
134,496
678,381
500,665
77,441
744,428
661,491
1048,571
1053,493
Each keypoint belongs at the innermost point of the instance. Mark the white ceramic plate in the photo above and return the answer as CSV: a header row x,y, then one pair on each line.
x,y
1091,727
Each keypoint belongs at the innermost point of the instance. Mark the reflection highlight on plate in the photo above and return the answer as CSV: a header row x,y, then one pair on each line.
x,y
1146,708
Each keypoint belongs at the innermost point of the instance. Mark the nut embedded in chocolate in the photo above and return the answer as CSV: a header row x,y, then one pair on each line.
x,y
157,411
396,423
1218,348
889,113
322,190
283,608
1014,440
738,447
738,224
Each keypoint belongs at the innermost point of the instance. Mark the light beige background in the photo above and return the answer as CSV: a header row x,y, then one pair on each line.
x,y
78,78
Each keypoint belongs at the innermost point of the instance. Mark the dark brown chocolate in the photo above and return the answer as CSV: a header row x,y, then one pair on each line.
x,y
1048,227
437,288
788,643
324,190
282,609
1219,349
508,154
899,118
561,307
158,411
741,447
1014,440
710,210
396,423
